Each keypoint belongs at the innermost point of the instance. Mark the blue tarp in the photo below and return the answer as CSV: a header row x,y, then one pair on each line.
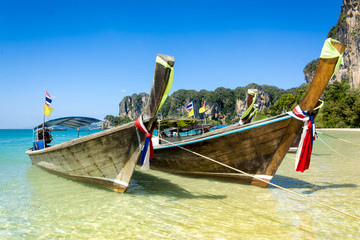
x,y
38,145
71,122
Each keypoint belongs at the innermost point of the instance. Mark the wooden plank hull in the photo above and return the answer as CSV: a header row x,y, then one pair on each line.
x,y
249,148
98,158
257,149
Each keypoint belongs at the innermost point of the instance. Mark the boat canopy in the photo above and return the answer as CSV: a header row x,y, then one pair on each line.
x,y
182,125
197,127
178,123
70,122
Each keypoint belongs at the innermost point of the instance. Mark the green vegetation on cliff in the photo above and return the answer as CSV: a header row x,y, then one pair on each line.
x,y
285,103
115,121
311,66
341,108
224,100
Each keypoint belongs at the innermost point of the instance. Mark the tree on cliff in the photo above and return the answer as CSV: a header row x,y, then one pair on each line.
x,y
341,108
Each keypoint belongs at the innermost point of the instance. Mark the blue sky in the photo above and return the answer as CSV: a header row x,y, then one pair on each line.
x,y
90,54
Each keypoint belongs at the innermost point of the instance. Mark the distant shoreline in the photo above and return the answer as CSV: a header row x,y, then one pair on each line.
x,y
340,129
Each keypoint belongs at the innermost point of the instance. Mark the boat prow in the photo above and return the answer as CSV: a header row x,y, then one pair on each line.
x,y
251,153
109,157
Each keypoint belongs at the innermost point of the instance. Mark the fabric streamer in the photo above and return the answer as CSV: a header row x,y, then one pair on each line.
x,y
148,151
303,155
170,82
253,114
329,51
249,108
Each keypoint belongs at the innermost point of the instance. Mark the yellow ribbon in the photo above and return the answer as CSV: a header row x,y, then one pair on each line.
x,y
170,82
251,105
329,51
320,106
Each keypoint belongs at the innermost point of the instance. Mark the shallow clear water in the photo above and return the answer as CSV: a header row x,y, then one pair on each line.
x,y
35,204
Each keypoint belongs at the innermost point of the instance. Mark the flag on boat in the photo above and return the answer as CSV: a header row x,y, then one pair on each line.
x,y
47,108
189,107
202,109
48,99
191,113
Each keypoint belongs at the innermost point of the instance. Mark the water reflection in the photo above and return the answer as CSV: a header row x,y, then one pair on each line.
x,y
289,182
145,184
321,154
160,205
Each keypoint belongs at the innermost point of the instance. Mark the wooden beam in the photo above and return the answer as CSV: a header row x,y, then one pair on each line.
x,y
322,76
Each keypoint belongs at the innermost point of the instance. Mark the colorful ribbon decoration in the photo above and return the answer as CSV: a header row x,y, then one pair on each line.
x,y
170,82
148,151
253,115
329,51
303,155
249,108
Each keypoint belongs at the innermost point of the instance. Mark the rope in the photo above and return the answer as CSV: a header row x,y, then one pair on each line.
x,y
340,139
331,148
272,184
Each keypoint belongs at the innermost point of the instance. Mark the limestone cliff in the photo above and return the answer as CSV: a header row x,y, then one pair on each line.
x,y
347,30
309,70
262,101
132,106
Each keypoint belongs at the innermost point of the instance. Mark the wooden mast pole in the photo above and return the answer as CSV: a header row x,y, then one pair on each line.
x,y
162,76
322,76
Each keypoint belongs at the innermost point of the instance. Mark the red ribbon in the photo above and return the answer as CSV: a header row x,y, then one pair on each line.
x,y
303,155
148,146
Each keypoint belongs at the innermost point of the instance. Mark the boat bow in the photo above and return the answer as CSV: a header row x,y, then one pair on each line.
x,y
324,72
109,157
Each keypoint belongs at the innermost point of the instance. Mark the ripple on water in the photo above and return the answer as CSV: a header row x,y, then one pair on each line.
x,y
37,205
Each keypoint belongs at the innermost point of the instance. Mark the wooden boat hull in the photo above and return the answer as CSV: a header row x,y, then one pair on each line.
x,y
249,148
98,158
256,149
109,157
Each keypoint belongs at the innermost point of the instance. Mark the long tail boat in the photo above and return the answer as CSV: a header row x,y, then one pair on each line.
x,y
109,157
186,128
256,148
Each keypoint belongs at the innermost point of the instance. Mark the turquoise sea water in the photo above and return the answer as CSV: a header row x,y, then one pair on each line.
x,y
35,204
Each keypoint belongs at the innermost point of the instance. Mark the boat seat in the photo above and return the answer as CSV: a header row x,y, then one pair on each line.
x,y
37,145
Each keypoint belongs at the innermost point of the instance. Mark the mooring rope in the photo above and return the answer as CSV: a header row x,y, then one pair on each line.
x,y
344,140
331,147
272,184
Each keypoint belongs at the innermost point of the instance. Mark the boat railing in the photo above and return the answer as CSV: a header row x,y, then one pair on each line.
x,y
41,141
